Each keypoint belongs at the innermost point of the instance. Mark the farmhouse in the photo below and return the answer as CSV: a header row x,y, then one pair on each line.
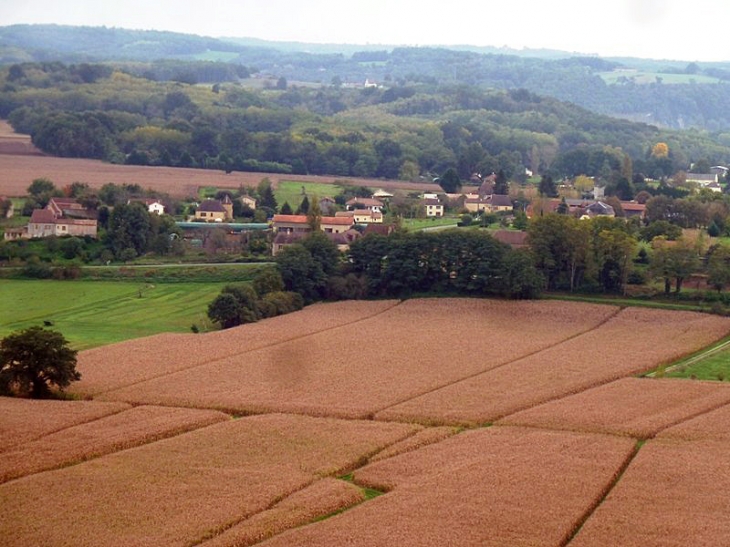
x,y
154,206
249,202
370,204
44,223
434,208
290,229
362,216
213,210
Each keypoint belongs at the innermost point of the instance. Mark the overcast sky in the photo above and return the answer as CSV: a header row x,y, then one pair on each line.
x,y
660,29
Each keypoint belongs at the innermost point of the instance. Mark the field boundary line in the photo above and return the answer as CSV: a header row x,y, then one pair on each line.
x,y
506,363
689,418
85,422
360,463
604,494
257,348
115,449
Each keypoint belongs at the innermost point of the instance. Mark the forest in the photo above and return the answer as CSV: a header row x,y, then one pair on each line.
x,y
414,131
664,93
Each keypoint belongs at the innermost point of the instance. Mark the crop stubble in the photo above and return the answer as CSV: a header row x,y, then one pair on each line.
x,y
108,434
182,490
637,407
498,486
126,363
636,340
674,494
355,370
23,420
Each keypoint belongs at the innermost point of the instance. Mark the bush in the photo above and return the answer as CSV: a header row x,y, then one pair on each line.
x,y
280,303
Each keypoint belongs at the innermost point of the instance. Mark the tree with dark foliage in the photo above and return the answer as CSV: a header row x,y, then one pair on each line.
x,y
35,359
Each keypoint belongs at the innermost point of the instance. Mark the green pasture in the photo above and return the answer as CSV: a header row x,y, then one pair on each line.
x,y
648,77
95,313
415,224
293,192
711,364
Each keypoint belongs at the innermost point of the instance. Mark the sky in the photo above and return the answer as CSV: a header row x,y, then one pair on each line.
x,y
657,29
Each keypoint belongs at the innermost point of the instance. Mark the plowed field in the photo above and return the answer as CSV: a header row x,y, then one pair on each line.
x,y
21,167
285,431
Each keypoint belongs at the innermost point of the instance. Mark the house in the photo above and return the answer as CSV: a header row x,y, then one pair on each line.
x,y
290,229
213,210
69,208
598,209
362,216
434,208
44,223
154,206
249,202
700,179
632,209
299,224
365,203
341,239
497,203
714,187
327,205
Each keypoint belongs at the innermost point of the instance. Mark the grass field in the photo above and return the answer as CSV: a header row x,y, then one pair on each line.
x,y
421,223
647,77
91,314
291,191
710,365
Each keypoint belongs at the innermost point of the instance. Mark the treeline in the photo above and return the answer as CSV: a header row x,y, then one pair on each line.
x,y
406,132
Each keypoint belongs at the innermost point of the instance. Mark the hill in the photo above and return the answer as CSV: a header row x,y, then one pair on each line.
x,y
665,93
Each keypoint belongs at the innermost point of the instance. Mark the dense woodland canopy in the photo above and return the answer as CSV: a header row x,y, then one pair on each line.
x,y
412,131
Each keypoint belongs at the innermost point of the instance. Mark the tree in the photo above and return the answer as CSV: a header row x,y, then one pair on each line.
x,y
35,359
301,272
130,227
303,206
224,310
286,209
500,183
450,181
673,261
547,187
314,215
718,267
660,150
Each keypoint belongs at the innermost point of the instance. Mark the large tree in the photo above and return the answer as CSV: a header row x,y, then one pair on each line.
x,y
34,360
450,181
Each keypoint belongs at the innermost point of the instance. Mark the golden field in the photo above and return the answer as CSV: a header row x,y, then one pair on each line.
x,y
481,422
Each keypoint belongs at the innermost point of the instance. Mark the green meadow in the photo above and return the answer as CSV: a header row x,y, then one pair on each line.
x,y
712,364
293,192
95,313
